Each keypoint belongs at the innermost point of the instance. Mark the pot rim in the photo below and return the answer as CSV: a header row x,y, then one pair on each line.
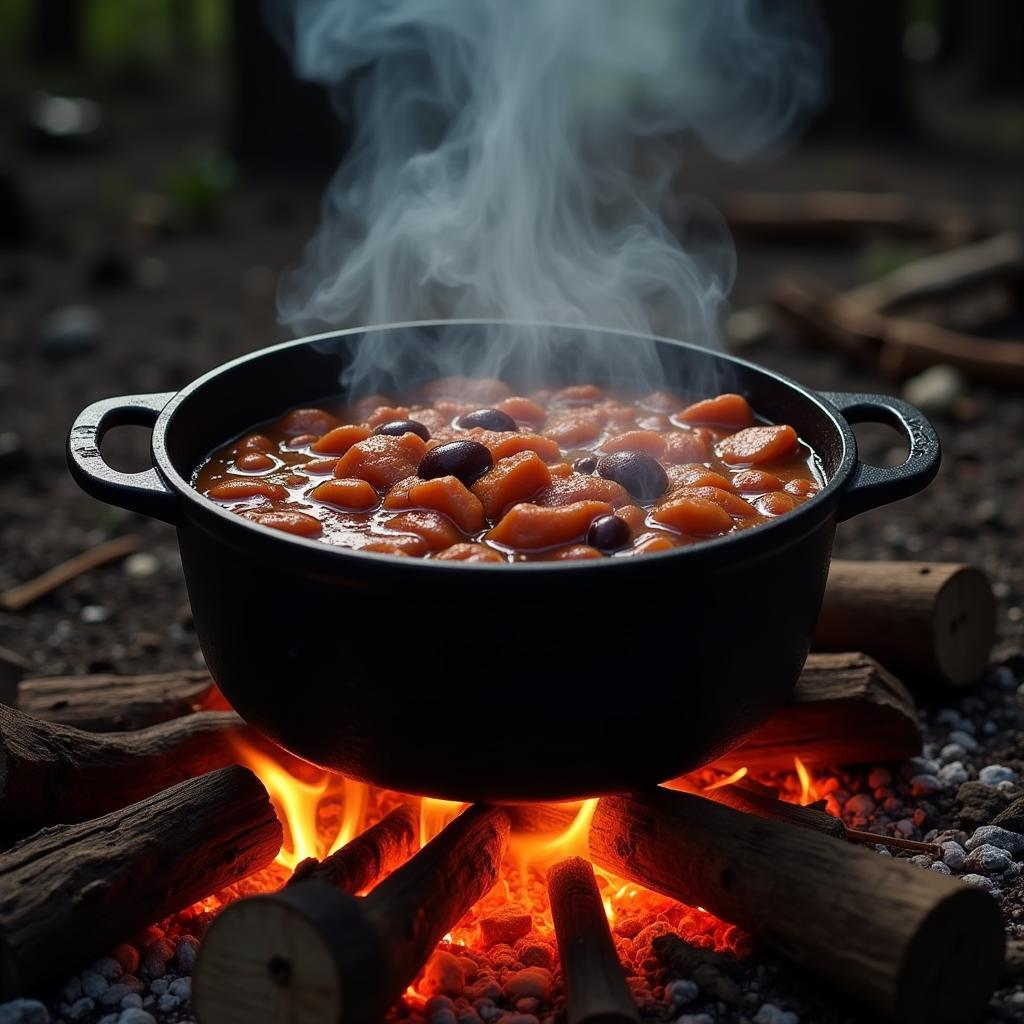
x,y
743,544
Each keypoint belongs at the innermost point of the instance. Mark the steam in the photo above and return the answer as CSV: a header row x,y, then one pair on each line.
x,y
511,158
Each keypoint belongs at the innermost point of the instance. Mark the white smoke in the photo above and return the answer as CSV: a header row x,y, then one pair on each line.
x,y
511,158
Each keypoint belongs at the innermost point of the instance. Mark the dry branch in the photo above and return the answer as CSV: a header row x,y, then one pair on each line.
x,y
52,773
920,619
878,927
71,892
112,703
313,953
21,596
595,986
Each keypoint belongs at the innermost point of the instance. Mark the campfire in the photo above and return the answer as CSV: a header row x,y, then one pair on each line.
x,y
323,899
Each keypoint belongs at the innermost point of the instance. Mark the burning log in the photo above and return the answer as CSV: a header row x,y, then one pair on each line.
x,y
19,597
362,862
897,346
920,619
314,953
902,928
845,709
596,989
52,773
71,892
111,703
830,216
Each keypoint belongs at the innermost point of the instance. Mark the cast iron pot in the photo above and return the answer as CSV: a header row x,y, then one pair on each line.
x,y
491,682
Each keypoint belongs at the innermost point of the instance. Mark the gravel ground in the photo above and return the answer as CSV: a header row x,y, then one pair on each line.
x,y
162,304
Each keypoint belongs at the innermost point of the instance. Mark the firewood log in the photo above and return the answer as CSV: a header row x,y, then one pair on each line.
x,y
71,892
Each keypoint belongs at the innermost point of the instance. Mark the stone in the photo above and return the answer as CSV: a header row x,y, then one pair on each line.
x,y
134,1015
1012,817
107,967
444,975
70,331
185,955
953,855
695,1018
24,1011
860,806
952,752
530,981
506,925
114,994
978,804
181,988
93,984
133,999
993,774
771,1014
963,739
879,777
168,1003
987,860
681,991
940,868
141,564
978,882
995,835
924,785
127,956
935,391
953,774
80,1008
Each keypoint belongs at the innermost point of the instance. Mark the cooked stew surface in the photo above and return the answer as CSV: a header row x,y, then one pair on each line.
x,y
469,471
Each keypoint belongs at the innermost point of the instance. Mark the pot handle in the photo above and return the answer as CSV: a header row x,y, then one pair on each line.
x,y
143,492
872,486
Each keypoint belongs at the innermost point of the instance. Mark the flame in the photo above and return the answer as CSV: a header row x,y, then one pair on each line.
x,y
740,773
434,815
808,791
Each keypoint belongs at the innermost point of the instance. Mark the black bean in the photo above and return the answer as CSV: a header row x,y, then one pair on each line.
x,y
467,460
399,427
640,474
489,419
586,464
608,533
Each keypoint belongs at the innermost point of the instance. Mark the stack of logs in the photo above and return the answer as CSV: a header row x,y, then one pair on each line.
x,y
119,763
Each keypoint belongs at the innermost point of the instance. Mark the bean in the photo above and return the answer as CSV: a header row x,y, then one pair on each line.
x,y
489,419
466,460
608,533
255,462
396,428
586,464
641,475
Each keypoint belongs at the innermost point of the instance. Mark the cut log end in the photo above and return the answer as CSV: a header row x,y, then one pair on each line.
x,y
964,625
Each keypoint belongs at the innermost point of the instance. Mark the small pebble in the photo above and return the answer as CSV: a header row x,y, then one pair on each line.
x,y
978,882
93,984
681,991
963,739
127,956
93,614
181,988
953,774
924,785
140,565
905,827
114,994
80,1008
188,947
940,868
153,967
993,774
24,1011
158,986
72,989
988,860
880,776
861,806
133,999
695,1018
935,392
952,752
530,981
994,835
770,1014
134,1015
168,1003
70,331
953,856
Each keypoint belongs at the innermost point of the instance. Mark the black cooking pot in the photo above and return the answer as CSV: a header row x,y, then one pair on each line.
x,y
541,680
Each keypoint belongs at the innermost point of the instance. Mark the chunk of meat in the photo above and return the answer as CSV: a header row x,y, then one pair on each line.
x,y
382,459
633,516
504,445
340,439
515,478
348,493
687,446
756,481
775,503
435,530
307,421
529,527
732,503
646,441
398,495
695,515
693,474
286,520
320,467
451,497
565,490
726,410
757,445
246,487
466,552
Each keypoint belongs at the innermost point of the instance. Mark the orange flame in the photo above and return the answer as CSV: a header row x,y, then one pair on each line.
x,y
740,773
808,791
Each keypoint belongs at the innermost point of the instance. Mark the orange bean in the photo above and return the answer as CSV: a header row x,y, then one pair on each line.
x,y
340,439
687,446
398,496
256,442
695,475
646,441
726,410
801,488
756,481
693,514
319,467
732,503
512,479
566,490
756,445
348,493
255,462
435,530
522,410
252,487
775,503
469,553
287,520
382,459
531,527
503,445
307,421
575,553
450,496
